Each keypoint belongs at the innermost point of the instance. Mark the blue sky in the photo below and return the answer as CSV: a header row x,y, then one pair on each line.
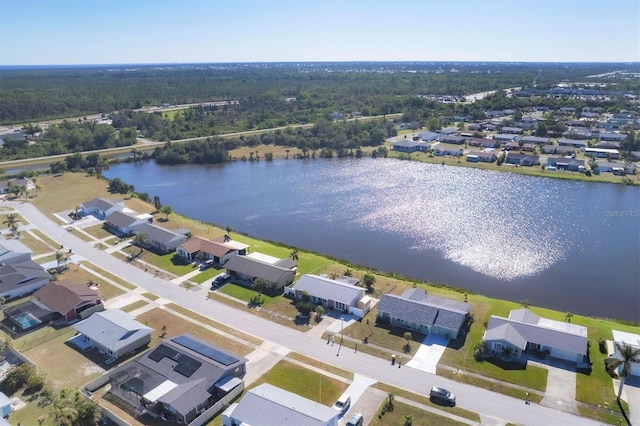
x,y
42,32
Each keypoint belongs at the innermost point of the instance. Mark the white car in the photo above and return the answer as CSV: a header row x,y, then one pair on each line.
x,y
342,404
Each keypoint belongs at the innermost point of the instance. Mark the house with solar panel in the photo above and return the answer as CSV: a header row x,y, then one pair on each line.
x,y
180,381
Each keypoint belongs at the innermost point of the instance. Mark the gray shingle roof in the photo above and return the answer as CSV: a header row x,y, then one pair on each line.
x,y
21,274
100,203
158,233
524,324
255,268
112,328
269,405
122,219
418,307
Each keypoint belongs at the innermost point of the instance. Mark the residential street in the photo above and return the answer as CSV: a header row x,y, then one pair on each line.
x,y
484,402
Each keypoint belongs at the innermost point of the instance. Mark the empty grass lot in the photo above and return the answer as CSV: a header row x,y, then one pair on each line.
x,y
304,382
98,232
37,246
64,192
156,318
418,417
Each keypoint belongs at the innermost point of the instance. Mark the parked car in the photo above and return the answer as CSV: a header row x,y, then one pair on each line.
x,y
342,404
356,420
220,279
206,264
442,396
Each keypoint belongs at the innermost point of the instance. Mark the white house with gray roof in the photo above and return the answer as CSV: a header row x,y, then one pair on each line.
x,y
342,293
162,239
19,275
278,273
525,331
124,222
114,331
101,207
416,310
269,405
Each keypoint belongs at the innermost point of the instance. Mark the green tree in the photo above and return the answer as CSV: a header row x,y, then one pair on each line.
x,y
625,356
156,203
525,303
294,255
369,280
567,316
319,312
348,272
408,337
141,240
259,285
166,210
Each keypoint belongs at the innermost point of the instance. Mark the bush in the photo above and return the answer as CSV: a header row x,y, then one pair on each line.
x,y
602,346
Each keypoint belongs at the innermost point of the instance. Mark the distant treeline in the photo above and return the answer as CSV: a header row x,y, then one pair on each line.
x,y
38,94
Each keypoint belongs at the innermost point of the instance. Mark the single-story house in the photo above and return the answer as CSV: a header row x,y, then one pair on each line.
x,y
278,273
572,142
601,152
269,405
608,145
503,138
511,130
101,208
14,251
635,155
556,149
180,380
429,136
475,127
114,332
521,159
162,239
484,142
124,222
526,125
530,147
447,131
68,300
566,163
408,145
611,137
444,150
342,293
536,140
481,156
454,139
23,183
416,310
219,250
525,331
610,167
512,146
631,339
576,123
21,278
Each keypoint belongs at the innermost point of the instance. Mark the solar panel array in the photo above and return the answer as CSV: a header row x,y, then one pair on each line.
x,y
186,365
205,350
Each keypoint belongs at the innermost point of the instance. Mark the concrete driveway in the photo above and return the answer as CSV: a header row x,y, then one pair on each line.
x,y
561,389
428,355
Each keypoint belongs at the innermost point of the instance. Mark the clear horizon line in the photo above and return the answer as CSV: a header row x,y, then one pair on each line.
x,y
318,62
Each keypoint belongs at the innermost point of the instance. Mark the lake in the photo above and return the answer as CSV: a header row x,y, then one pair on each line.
x,y
570,246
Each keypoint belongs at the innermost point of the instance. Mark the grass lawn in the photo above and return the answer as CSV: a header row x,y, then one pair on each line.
x,y
81,277
98,232
387,337
205,275
279,304
34,410
424,399
83,236
304,382
325,367
214,324
55,245
64,192
502,388
169,262
150,296
110,276
419,417
156,318
135,305
38,247
64,365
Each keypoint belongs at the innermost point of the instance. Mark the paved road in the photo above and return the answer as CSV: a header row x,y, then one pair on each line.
x,y
472,398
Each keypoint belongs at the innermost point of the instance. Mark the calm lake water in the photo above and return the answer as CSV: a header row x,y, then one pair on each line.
x,y
571,246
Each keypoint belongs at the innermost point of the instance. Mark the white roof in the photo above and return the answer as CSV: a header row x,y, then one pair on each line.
x,y
236,245
263,257
328,289
628,338
144,216
565,327
159,391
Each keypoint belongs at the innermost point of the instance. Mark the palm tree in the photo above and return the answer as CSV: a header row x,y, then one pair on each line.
x,y
59,257
567,316
294,255
525,303
12,218
229,230
625,356
142,239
